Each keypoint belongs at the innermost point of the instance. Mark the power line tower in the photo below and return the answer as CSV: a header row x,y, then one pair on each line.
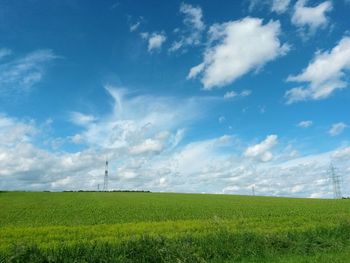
x,y
253,190
336,181
105,181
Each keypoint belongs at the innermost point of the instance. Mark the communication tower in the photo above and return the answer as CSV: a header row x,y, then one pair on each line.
x,y
105,181
336,181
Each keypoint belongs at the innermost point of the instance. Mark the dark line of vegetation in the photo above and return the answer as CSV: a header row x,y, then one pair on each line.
x,y
76,191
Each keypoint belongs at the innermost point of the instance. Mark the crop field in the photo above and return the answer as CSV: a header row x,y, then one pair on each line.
x,y
165,227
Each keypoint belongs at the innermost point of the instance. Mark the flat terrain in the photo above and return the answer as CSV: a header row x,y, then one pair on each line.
x,y
164,227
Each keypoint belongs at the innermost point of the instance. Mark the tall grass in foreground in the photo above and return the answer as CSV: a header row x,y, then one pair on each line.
x,y
215,247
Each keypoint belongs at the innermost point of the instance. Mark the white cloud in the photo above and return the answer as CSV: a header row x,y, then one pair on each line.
x,y
4,52
194,26
262,149
280,6
13,131
253,4
337,128
143,137
222,119
305,124
230,94
193,16
246,93
132,135
147,146
23,73
233,94
277,6
81,119
262,109
325,74
194,71
25,166
342,153
190,167
135,119
311,17
155,40
135,26
237,47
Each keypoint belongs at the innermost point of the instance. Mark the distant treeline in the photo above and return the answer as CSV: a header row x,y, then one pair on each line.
x,y
75,191
94,191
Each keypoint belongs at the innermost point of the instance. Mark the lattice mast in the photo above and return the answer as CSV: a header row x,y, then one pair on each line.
x,y
105,181
336,181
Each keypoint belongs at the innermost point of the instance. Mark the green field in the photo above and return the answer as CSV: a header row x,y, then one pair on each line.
x,y
157,227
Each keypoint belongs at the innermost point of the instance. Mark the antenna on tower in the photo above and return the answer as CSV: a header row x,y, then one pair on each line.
x,y
336,181
105,181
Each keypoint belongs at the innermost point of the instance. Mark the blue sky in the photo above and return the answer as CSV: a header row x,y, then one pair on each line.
x,y
185,96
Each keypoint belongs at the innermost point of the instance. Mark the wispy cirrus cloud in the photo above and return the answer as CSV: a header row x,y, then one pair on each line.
x,y
194,26
135,119
4,52
305,124
232,94
135,23
277,6
337,128
21,74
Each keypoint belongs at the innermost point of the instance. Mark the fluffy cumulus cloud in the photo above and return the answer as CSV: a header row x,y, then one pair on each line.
x,y
311,17
337,128
325,74
194,27
155,40
13,131
235,48
21,74
26,166
262,150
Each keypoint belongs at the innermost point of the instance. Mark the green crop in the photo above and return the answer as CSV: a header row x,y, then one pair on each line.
x,y
165,227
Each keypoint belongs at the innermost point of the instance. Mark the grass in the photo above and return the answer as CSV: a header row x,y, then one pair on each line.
x,y
154,227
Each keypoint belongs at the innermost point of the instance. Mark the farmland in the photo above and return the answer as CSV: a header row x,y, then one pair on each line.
x,y
165,227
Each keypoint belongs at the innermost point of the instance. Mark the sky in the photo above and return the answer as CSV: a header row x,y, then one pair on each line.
x,y
192,96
